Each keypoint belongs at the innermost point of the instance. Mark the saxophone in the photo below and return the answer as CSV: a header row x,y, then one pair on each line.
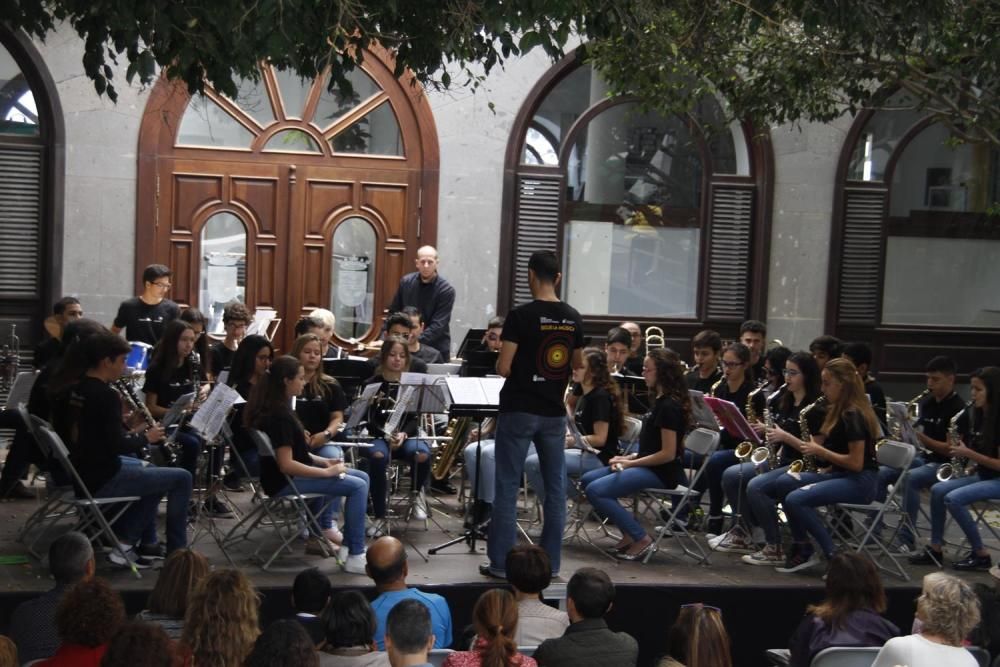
x,y
745,449
768,452
958,466
806,463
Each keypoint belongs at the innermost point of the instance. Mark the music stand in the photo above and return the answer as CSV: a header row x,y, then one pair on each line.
x,y
351,373
473,341
480,363
631,385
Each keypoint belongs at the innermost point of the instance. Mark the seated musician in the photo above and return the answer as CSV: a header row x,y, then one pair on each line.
x,y
753,334
425,353
491,339
269,410
399,325
249,367
637,349
145,317
976,462
824,348
329,324
844,452
706,348
934,413
198,323
860,354
64,311
236,318
598,417
393,361
173,373
88,417
659,460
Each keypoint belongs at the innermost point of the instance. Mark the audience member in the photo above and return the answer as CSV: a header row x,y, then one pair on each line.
x,y
33,623
350,633
88,616
144,644
168,602
987,633
284,643
948,610
8,652
221,622
388,569
697,639
588,642
529,572
310,595
850,614
408,636
494,619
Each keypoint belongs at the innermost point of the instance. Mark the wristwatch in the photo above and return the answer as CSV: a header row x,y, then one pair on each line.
x,y
329,436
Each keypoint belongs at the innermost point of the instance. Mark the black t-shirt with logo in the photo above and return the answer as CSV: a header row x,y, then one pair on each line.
x,y
935,417
314,408
666,414
168,386
596,407
851,427
284,430
546,333
145,323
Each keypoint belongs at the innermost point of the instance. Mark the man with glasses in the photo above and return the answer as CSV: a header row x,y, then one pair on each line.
x,y
144,317
637,351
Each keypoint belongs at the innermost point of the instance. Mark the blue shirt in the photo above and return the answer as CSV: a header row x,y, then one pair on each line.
x,y
437,605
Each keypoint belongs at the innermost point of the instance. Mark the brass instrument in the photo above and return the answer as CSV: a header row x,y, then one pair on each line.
x,y
806,463
10,359
655,339
458,431
711,392
913,405
745,449
768,452
958,466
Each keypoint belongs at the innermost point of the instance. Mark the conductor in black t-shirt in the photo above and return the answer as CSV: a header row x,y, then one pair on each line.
x,y
542,343
144,317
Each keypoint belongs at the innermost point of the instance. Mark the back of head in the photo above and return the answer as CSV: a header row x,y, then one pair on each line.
x,y
221,621
591,591
349,621
859,353
284,643
852,584
75,358
8,652
180,576
69,557
830,345
528,568
948,607
311,591
495,620
137,643
698,638
89,614
386,560
408,627
545,265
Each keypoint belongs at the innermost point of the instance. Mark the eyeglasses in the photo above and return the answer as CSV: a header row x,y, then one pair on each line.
x,y
732,364
163,285
790,372
701,605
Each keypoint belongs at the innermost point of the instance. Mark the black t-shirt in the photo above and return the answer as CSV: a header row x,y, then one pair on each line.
x,y
222,358
704,385
45,352
284,431
428,355
666,414
595,407
785,414
380,411
739,398
546,333
168,386
850,427
145,323
935,417
633,365
877,397
314,408
241,439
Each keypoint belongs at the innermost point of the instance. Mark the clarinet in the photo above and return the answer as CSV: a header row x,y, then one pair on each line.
x,y
127,391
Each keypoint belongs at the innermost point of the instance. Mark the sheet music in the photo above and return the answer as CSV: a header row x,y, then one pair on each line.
x,y
906,431
702,414
492,387
223,377
21,389
402,407
210,417
731,419
360,406
177,409
432,393
575,432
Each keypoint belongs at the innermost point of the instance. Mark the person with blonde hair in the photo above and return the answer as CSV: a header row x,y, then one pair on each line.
x,y
697,639
221,625
495,620
948,610
183,570
8,652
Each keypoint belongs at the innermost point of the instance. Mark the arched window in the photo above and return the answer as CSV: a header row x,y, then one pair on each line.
x,y
281,173
658,219
31,167
916,237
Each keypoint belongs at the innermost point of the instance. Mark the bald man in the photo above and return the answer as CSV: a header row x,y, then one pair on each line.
x,y
433,296
387,568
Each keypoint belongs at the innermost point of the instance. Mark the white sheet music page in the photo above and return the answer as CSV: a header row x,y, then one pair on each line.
x,y
212,413
492,387
402,407
360,406
466,391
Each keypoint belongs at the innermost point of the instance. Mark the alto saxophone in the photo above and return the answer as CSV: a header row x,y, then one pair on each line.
x,y
745,449
768,452
958,466
806,463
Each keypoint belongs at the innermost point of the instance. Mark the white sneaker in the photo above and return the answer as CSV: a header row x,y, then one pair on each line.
x,y
420,507
129,560
355,564
535,531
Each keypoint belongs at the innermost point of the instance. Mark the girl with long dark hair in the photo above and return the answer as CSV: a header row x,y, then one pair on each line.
x,y
248,367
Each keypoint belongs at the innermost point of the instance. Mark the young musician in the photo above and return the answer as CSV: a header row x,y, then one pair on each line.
x,y
977,449
802,381
735,385
598,416
845,450
824,348
426,353
860,354
198,323
144,317
491,339
660,454
321,405
706,349
250,364
88,417
399,325
64,311
329,325
636,349
236,318
393,361
269,410
753,334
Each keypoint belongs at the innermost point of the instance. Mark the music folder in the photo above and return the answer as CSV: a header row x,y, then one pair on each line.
x,y
731,419
701,413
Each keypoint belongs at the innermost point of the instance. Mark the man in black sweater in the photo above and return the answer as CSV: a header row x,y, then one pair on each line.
x,y
433,296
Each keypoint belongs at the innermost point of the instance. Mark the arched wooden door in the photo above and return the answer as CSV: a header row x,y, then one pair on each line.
x,y
278,172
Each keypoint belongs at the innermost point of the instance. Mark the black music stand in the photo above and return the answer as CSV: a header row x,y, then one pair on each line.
x,y
351,373
472,342
631,386
480,363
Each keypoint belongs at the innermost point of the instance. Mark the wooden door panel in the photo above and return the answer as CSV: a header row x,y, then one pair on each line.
x,y
259,195
389,202
191,194
184,271
323,199
315,277
269,289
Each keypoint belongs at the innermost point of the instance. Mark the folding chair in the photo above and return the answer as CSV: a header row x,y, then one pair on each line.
x,y
90,511
897,455
703,442
283,513
845,656
981,655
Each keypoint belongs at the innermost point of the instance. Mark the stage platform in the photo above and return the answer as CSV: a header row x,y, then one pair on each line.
x,y
761,607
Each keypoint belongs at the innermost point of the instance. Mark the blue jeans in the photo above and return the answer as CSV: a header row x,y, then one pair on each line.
x,y
735,480
138,523
604,487
487,468
712,478
578,462
825,489
764,492
378,464
923,475
956,495
331,452
515,433
354,486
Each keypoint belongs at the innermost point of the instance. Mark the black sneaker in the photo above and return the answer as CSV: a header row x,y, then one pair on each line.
x,y
218,509
443,486
927,556
714,525
156,551
487,571
972,562
799,559
233,484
